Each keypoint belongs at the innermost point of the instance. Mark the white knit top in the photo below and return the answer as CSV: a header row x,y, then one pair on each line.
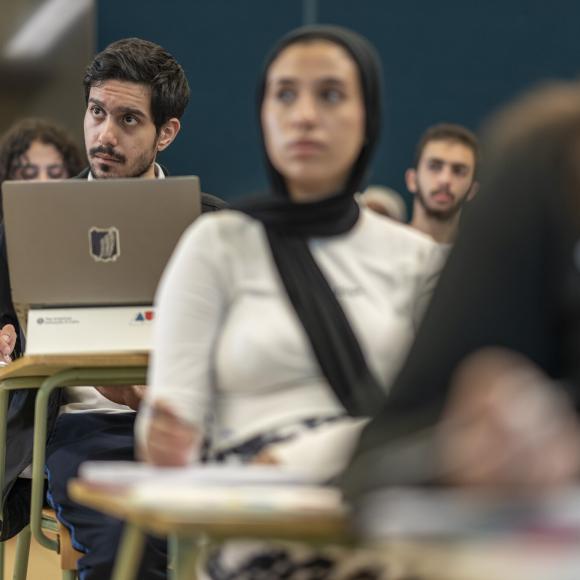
x,y
227,343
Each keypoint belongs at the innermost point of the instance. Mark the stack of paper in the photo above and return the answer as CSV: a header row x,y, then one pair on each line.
x,y
131,472
259,500
416,512
216,488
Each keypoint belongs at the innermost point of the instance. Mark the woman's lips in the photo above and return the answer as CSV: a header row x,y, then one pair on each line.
x,y
305,147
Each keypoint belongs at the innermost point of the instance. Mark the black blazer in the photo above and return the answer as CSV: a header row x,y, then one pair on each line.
x,y
7,313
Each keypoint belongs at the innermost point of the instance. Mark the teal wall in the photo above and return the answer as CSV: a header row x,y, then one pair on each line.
x,y
449,60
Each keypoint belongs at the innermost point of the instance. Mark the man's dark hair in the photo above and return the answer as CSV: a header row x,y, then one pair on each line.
x,y
140,61
448,132
20,136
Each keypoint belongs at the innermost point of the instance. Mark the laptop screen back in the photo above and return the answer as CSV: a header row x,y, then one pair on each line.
x,y
98,242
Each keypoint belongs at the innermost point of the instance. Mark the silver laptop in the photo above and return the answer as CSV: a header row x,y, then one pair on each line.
x,y
100,242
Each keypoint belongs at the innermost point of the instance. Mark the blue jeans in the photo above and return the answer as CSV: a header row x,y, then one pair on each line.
x,y
80,437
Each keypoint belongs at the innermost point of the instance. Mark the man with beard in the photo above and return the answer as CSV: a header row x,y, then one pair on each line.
x,y
443,179
136,93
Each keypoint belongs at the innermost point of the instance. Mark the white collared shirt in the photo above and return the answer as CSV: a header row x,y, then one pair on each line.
x,y
158,172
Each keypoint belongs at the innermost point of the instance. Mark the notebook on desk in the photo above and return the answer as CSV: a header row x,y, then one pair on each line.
x,y
261,490
98,243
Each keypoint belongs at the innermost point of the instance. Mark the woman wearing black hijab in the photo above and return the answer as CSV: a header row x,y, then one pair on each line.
x,y
286,319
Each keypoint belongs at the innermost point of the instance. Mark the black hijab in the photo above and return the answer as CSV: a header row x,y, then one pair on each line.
x,y
288,226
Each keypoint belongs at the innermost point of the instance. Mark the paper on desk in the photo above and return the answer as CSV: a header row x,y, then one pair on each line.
x,y
259,489
127,473
398,512
259,500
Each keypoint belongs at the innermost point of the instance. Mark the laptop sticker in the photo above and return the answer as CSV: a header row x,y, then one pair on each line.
x,y
104,244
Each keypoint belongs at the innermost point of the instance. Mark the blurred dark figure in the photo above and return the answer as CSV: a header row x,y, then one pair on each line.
x,y
490,392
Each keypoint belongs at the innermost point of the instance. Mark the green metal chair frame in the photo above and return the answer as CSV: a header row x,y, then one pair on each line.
x,y
75,377
184,552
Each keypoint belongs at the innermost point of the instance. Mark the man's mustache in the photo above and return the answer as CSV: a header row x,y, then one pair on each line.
x,y
109,152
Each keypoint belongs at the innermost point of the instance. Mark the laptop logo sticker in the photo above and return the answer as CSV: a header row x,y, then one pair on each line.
x,y
104,244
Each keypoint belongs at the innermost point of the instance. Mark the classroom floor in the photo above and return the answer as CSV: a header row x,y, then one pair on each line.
x,y
43,564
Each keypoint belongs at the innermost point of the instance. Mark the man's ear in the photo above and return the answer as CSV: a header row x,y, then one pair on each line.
x,y
411,180
473,190
167,133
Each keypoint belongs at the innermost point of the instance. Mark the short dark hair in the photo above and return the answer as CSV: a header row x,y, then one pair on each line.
x,y
21,135
140,61
448,132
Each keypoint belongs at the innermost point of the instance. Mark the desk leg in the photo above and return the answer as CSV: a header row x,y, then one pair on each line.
x,y
5,387
130,552
22,553
188,554
3,420
172,555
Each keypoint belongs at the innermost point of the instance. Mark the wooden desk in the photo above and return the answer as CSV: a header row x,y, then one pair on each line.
x,y
469,557
190,530
47,373
48,365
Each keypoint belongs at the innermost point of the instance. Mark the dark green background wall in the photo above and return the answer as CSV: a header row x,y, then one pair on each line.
x,y
448,60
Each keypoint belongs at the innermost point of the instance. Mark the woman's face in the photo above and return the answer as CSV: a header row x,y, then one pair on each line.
x,y
40,162
313,118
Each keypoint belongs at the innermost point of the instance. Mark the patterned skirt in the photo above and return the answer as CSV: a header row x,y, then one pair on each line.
x,y
258,560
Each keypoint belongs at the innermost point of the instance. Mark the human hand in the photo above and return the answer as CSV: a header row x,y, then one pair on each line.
x,y
265,457
507,425
170,441
129,395
7,342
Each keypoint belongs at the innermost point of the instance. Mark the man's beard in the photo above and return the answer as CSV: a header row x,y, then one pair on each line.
x,y
101,168
444,214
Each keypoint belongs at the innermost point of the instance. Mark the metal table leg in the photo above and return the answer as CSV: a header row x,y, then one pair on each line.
x,y
130,552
